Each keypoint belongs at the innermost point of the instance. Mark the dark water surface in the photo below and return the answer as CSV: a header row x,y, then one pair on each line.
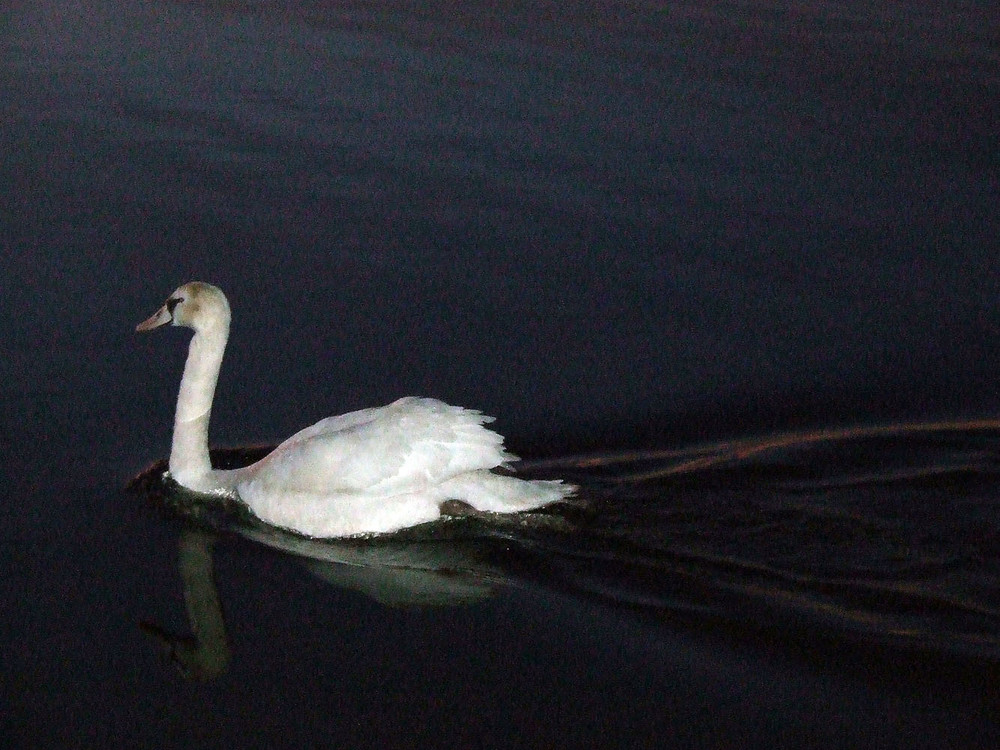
x,y
636,233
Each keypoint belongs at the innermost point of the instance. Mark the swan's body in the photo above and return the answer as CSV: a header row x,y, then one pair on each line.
x,y
369,471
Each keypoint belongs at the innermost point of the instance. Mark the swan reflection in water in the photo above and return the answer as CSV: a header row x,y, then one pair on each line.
x,y
879,538
204,655
400,575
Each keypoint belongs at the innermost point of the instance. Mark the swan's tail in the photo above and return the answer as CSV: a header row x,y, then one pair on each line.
x,y
495,493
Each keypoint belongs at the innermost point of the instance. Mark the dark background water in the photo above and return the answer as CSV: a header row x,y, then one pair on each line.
x,y
608,223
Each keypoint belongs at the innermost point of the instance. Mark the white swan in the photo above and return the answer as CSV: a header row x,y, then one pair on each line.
x,y
370,471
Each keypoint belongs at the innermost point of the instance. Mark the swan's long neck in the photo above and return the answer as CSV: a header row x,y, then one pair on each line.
x,y
189,461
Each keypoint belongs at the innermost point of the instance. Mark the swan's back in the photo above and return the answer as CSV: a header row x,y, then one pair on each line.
x,y
407,445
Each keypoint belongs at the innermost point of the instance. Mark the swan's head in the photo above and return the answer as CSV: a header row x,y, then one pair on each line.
x,y
195,305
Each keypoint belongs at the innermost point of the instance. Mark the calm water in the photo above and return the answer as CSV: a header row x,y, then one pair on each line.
x,y
680,229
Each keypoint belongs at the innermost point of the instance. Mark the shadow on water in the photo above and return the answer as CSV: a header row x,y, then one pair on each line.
x,y
855,549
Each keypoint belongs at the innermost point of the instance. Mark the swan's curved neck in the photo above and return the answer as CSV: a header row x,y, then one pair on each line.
x,y
189,461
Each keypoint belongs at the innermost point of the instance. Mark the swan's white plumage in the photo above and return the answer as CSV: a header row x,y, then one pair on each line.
x,y
368,471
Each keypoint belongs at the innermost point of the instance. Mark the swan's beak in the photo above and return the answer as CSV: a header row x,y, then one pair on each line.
x,y
160,318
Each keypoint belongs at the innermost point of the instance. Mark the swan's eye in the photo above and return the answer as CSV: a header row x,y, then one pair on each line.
x,y
172,303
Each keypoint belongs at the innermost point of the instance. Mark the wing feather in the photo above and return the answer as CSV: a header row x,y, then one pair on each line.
x,y
406,446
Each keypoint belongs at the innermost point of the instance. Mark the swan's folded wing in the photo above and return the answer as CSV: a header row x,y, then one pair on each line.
x,y
406,446
335,424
